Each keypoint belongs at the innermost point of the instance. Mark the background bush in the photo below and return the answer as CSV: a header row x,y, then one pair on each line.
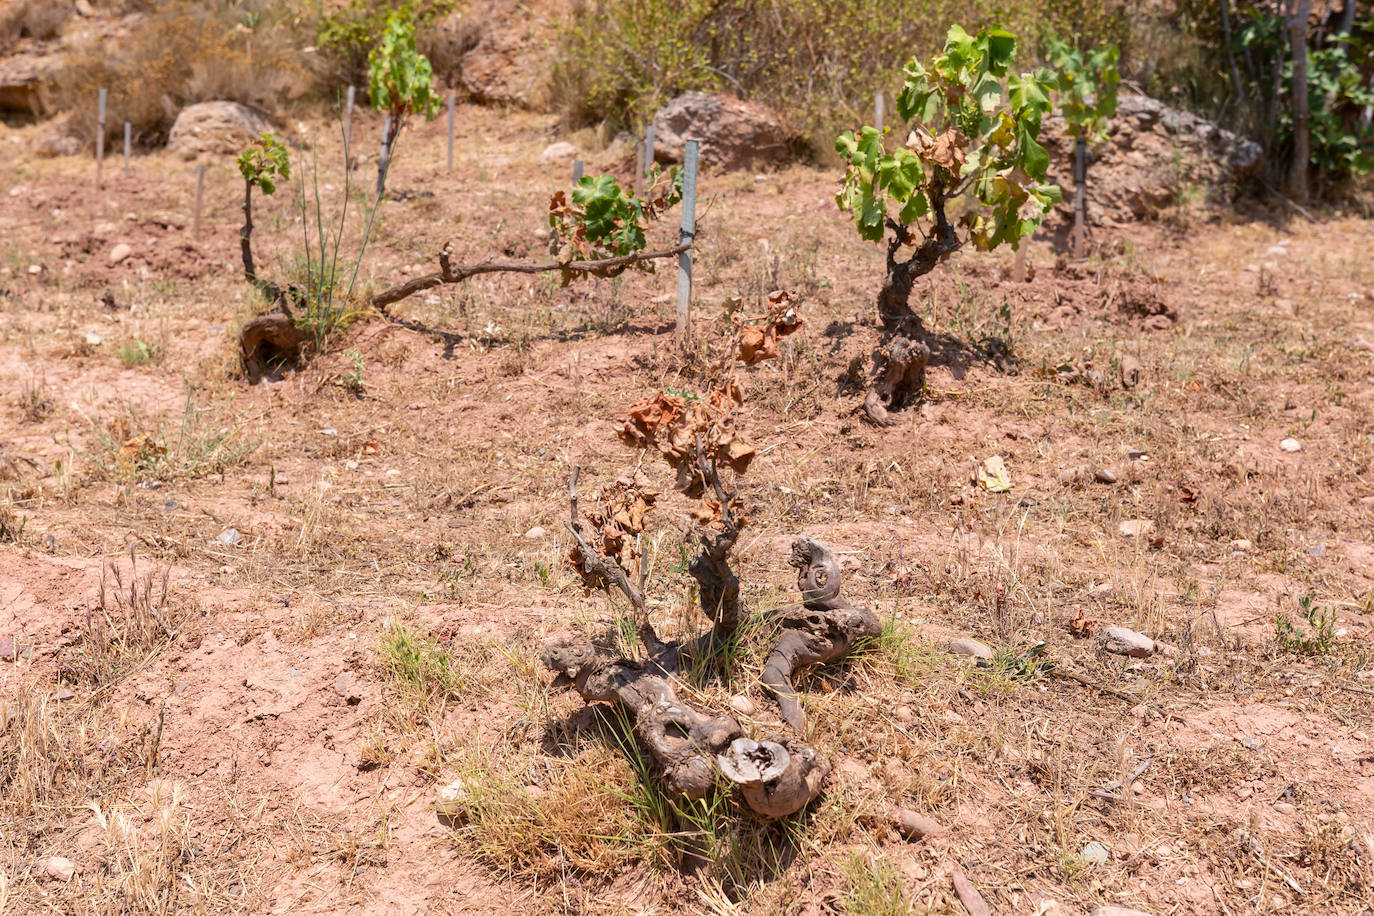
x,y
182,52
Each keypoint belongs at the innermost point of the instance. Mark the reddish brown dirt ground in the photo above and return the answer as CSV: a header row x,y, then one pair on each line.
x,y
255,755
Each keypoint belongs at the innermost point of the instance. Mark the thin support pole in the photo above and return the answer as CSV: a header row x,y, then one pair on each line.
x,y
383,159
578,166
128,143
648,152
452,98
1080,196
878,111
200,199
688,233
348,116
100,136
639,167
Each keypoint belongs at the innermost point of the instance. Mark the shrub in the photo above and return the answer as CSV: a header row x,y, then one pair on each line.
x,y
817,62
181,53
347,35
36,19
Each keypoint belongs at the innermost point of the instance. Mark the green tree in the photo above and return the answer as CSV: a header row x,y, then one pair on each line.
x,y
973,146
400,82
1085,82
261,165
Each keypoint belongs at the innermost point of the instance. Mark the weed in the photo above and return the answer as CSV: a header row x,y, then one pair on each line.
x,y
11,525
137,352
35,400
133,620
425,674
133,448
875,887
353,380
1321,629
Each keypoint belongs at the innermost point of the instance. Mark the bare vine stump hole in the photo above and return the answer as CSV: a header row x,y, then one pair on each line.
x,y
270,344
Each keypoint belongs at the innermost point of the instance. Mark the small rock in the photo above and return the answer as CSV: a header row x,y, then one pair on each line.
x,y
1100,591
904,715
742,704
35,269
913,826
59,867
1104,475
8,651
1072,475
230,537
84,8
556,152
993,475
1118,911
1121,641
1130,371
1291,445
1136,528
1284,808
346,687
94,339
119,253
535,533
63,694
1136,454
1241,544
1095,853
962,645
450,799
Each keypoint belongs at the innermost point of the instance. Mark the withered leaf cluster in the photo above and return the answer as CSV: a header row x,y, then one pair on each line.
x,y
760,342
616,523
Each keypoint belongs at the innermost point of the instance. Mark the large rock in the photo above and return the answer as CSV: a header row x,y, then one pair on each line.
x,y
25,79
215,127
1155,155
734,134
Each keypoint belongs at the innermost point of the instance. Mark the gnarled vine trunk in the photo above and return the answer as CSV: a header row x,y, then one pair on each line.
x,y
899,361
825,628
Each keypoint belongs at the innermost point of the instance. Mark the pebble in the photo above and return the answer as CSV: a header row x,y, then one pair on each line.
x,y
1095,853
59,867
962,645
346,687
230,537
1291,445
1284,808
119,253
913,826
1136,528
1241,544
8,651
63,694
904,715
1130,371
535,533
1136,454
1118,911
1104,475
1121,641
449,801
1101,590
742,704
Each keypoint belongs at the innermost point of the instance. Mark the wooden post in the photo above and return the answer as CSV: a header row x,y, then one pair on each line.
x,y
639,167
577,170
200,199
1018,265
689,229
878,112
452,97
348,121
648,151
384,158
128,143
100,136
